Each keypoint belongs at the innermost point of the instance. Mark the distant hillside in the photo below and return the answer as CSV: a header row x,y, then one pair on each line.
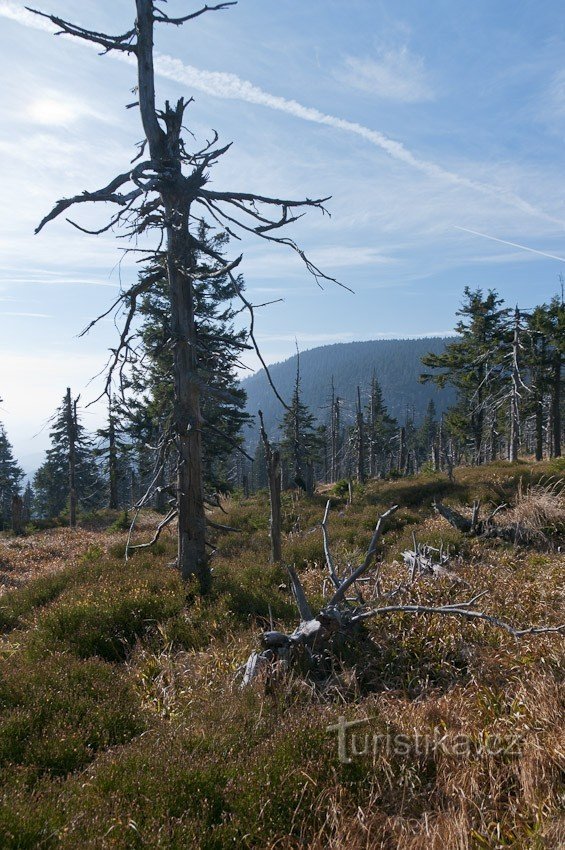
x,y
396,363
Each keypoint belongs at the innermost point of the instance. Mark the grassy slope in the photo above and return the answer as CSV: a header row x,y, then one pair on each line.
x,y
120,725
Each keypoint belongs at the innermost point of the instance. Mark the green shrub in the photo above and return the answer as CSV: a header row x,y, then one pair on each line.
x,y
106,616
57,712
16,605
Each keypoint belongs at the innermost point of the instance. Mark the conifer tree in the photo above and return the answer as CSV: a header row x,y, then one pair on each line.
x,y
11,476
380,429
52,485
219,346
472,364
426,437
302,441
114,451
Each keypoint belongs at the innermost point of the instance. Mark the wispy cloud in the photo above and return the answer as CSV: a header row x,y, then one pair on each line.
x,y
27,315
342,256
396,74
40,280
230,86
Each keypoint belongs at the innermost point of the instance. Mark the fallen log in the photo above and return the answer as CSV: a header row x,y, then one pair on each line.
x,y
313,648
477,527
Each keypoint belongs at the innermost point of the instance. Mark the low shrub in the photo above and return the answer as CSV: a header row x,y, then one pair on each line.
x,y
58,712
106,615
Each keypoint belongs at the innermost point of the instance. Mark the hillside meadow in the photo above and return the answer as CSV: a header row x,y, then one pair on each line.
x,y
123,723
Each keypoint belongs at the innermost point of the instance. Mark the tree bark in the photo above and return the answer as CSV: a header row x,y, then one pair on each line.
x,y
70,414
273,461
175,192
360,440
556,404
186,409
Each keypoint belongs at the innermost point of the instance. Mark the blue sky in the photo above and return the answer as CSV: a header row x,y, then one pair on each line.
x,y
423,121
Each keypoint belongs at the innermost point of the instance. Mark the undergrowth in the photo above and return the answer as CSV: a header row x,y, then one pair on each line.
x,y
122,724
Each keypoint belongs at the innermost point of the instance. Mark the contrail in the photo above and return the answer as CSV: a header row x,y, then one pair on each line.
x,y
232,87
513,244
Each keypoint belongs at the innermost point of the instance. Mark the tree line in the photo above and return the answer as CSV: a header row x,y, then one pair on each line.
x,y
507,366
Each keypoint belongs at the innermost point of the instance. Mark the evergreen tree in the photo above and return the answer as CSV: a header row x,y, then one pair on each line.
x,y
51,481
28,499
547,325
381,429
472,364
10,479
114,451
426,437
219,345
302,442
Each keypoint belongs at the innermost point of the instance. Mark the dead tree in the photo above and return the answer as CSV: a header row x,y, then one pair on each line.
x,y
335,435
517,385
474,526
71,424
313,647
360,440
425,560
402,452
17,514
273,462
165,190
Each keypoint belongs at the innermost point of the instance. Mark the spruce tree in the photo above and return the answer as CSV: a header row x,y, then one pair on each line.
x,y
473,365
381,429
219,346
51,481
11,476
114,451
302,442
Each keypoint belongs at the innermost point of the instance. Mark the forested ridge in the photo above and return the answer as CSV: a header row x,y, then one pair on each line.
x,y
396,363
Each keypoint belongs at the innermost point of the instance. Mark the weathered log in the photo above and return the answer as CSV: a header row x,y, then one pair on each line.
x,y
482,528
313,647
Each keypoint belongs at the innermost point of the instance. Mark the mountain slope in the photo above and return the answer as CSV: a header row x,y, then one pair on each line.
x,y
395,362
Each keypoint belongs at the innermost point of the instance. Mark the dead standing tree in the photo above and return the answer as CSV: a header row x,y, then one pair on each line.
x,y
71,424
164,190
273,463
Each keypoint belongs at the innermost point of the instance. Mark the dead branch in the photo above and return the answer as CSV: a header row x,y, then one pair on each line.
x,y
481,528
163,524
371,551
312,644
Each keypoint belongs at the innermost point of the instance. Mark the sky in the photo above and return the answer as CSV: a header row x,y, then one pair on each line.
x,y
437,129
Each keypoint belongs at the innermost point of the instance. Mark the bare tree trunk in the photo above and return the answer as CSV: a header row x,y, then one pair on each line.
x,y
539,428
514,441
336,427
402,450
166,156
333,438
273,459
556,405
17,514
186,409
112,463
71,420
360,440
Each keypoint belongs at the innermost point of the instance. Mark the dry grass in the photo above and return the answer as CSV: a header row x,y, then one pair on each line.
x,y
539,509
46,552
161,749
